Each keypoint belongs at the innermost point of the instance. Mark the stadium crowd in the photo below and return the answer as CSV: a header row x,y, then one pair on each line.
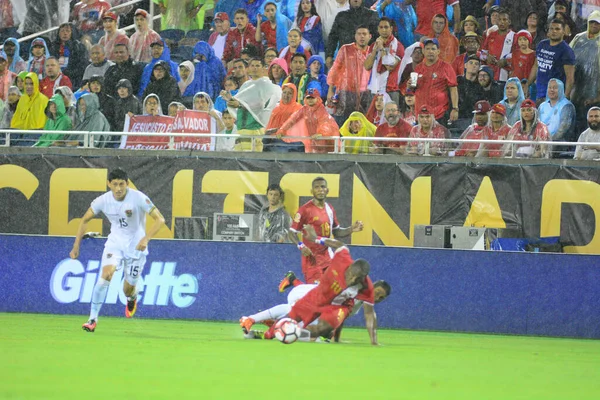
x,y
304,71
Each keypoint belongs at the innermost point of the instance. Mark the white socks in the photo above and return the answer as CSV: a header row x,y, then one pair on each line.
x,y
98,296
272,313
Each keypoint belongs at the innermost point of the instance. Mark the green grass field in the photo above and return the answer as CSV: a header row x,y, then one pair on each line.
x,y
50,357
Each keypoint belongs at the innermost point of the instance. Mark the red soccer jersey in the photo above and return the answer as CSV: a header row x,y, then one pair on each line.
x,y
400,130
494,43
425,11
324,222
432,86
496,150
521,64
270,34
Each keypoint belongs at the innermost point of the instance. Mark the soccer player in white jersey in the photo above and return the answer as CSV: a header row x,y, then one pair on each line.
x,y
127,243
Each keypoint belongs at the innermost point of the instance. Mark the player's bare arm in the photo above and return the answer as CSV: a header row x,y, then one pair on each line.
x,y
159,221
311,235
343,232
371,322
89,214
293,236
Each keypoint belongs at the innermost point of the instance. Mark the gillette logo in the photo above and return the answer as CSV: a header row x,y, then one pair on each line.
x,y
71,282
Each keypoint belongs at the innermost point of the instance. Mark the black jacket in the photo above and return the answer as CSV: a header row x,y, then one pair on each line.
x,y
78,56
130,70
166,88
128,104
345,25
469,93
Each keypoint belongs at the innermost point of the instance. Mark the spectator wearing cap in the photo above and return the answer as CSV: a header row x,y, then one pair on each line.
x,y
160,52
163,85
99,64
11,49
554,59
498,130
144,36
586,47
6,77
112,35
313,122
426,10
519,9
239,37
124,68
558,113
469,93
54,78
529,128
498,45
436,84
590,135
476,131
88,15
521,60
72,55
393,126
185,15
383,61
448,42
492,90
218,38
38,53
427,128
468,25
471,42
345,26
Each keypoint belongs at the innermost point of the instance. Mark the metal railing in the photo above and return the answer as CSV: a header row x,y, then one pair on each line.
x,y
335,145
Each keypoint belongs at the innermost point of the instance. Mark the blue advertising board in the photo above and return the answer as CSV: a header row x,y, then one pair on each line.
x,y
432,289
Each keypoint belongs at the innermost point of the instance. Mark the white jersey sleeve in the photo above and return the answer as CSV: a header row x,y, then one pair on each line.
x,y
97,205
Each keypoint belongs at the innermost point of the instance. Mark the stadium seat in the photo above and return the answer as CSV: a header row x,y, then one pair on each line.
x,y
172,36
182,53
200,34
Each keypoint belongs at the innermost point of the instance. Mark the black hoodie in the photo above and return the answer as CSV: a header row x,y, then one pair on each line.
x,y
125,105
166,88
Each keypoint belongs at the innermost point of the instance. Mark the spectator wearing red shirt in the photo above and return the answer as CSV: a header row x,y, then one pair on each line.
x,y
471,43
266,32
521,60
499,129
112,35
243,34
218,38
499,44
393,127
428,128
426,9
476,131
54,78
436,85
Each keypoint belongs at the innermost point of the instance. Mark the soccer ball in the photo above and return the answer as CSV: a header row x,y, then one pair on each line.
x,y
287,330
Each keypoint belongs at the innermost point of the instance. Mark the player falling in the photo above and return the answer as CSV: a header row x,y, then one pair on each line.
x,y
127,244
322,217
333,300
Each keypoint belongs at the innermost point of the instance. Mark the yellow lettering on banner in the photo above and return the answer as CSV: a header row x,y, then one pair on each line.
x,y
559,191
485,210
237,184
62,182
298,185
19,178
181,203
375,219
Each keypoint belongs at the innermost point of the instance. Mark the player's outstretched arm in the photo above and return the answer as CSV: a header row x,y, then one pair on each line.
x,y
371,322
343,232
159,221
293,236
311,235
89,214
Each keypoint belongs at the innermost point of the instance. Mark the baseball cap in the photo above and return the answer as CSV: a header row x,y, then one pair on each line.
x,y
109,15
472,57
482,107
312,92
409,92
528,103
499,108
38,42
425,109
157,43
595,16
139,11
431,40
493,9
222,16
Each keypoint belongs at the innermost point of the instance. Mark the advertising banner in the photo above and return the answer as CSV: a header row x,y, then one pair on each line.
x,y
48,194
432,289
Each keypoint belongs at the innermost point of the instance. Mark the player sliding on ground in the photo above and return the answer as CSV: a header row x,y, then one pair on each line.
x,y
127,244
332,300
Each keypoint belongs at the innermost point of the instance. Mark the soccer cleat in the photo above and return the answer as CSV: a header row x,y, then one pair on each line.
x,y
89,326
246,324
252,334
269,334
287,281
131,307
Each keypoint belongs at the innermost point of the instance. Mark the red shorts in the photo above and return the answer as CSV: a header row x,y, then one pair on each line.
x,y
334,315
313,267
